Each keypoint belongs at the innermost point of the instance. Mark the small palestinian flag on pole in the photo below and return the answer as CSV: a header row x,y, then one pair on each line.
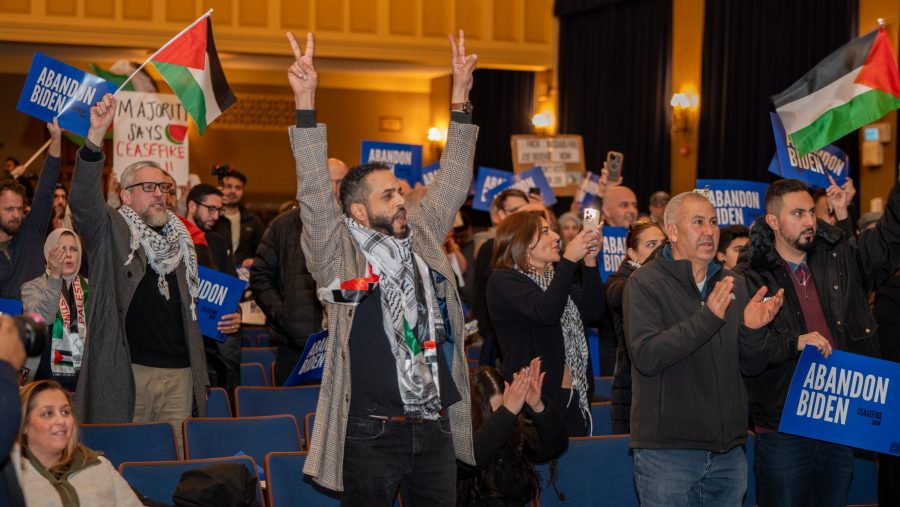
x,y
855,85
190,64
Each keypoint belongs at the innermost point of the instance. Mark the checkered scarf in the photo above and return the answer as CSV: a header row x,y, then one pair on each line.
x,y
392,260
164,251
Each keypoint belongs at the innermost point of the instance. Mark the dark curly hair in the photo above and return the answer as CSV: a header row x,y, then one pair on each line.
x,y
354,188
485,382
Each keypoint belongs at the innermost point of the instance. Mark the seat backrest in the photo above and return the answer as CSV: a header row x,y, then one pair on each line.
x,y
603,386
296,401
158,480
252,374
217,404
601,418
308,422
153,441
262,355
578,468
253,436
287,486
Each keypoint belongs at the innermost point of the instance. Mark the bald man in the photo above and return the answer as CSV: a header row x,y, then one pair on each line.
x,y
620,207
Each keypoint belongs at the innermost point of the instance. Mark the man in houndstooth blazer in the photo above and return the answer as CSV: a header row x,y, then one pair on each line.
x,y
333,253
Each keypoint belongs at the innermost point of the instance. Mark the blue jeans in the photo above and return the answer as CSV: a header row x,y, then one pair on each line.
x,y
679,477
801,471
380,456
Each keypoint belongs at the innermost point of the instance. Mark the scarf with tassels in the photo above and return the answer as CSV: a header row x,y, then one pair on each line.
x,y
165,251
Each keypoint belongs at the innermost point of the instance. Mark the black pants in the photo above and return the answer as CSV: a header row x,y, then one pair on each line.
x,y
380,456
285,360
223,362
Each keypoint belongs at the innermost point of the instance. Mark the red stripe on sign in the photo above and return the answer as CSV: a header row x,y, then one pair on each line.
x,y
189,50
880,70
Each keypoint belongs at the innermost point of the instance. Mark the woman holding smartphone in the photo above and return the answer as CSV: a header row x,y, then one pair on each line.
x,y
539,311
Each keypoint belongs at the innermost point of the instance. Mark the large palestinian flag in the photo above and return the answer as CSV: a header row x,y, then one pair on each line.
x,y
855,85
190,65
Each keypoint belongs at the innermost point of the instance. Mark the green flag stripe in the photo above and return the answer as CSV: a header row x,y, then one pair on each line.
x,y
840,121
188,90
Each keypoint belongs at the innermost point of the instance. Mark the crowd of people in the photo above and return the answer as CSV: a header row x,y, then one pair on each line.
x,y
700,327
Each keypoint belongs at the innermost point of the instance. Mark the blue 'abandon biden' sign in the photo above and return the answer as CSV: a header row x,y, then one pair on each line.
x,y
220,295
846,399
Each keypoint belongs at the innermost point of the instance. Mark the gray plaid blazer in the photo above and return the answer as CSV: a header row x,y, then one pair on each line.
x,y
332,254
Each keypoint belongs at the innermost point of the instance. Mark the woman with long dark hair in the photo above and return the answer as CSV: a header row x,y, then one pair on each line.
x,y
539,311
512,430
643,238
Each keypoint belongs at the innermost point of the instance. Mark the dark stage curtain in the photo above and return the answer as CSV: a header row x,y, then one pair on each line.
x,y
615,85
504,101
751,51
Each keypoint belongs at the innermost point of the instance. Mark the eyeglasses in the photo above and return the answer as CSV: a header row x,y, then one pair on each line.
x,y
150,186
212,209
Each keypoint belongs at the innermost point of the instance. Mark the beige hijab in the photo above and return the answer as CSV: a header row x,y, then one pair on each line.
x,y
53,240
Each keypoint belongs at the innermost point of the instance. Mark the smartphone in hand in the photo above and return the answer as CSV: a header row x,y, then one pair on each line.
x,y
591,218
614,160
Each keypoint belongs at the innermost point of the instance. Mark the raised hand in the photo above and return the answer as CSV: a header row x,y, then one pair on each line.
x,y
816,340
759,313
55,261
604,182
302,73
839,198
102,115
514,394
594,246
463,67
720,298
581,245
535,384
55,149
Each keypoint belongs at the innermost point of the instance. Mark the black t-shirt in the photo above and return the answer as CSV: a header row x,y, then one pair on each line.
x,y
155,326
373,369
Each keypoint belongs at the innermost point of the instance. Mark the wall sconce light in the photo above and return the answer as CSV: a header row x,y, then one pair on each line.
x,y
437,138
683,103
544,122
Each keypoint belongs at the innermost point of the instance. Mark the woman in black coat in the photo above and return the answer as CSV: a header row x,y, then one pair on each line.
x,y
643,238
538,311
512,430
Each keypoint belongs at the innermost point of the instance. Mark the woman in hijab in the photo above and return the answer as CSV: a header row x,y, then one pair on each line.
x,y
60,297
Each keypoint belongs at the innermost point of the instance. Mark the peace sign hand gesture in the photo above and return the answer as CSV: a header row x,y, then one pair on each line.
x,y
302,73
463,67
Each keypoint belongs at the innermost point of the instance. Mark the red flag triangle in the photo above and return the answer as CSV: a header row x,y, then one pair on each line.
x,y
189,50
880,69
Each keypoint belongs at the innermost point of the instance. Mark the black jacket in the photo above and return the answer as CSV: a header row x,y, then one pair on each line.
x,y
621,388
527,321
252,230
844,272
687,389
283,287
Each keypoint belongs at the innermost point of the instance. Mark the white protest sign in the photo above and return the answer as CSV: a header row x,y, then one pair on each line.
x,y
151,126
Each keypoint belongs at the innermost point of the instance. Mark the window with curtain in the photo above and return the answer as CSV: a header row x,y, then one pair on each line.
x,y
615,85
751,51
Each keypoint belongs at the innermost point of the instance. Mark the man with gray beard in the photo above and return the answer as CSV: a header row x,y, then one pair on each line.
x,y
144,359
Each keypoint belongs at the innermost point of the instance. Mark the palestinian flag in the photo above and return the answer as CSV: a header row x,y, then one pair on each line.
x,y
190,65
855,85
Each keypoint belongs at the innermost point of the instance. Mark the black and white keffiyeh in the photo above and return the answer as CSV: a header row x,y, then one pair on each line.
x,y
393,261
164,251
574,341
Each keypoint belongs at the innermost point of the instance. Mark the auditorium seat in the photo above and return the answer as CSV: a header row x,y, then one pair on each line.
x,y
252,374
296,401
595,471
262,355
603,387
253,436
217,404
152,441
473,352
601,418
287,486
308,422
158,480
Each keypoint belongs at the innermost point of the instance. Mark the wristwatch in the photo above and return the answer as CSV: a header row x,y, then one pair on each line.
x,y
465,107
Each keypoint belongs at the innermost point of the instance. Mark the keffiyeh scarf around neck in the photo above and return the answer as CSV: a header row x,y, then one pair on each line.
x,y
396,265
574,340
164,251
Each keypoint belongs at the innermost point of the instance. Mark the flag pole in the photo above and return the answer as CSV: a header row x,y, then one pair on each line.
x,y
37,154
164,46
